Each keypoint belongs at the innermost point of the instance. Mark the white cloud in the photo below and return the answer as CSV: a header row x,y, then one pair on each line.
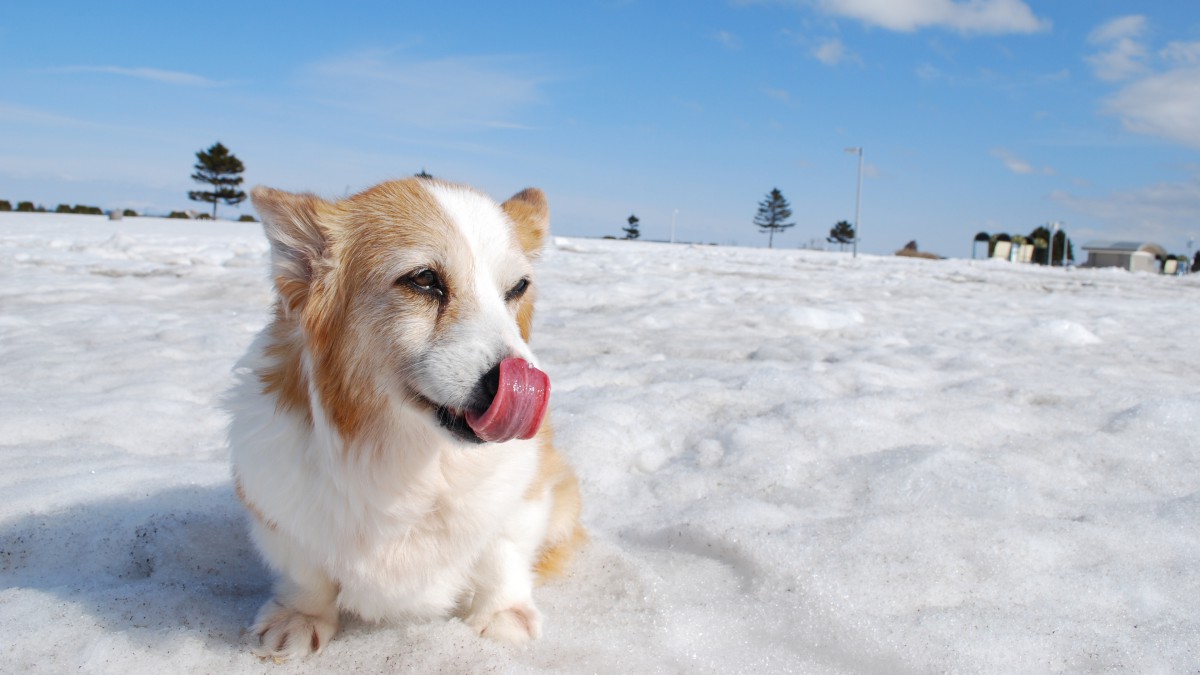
x,y
1019,166
1157,101
1164,105
970,16
1181,53
21,115
1131,26
831,52
454,92
1163,212
1123,55
780,95
151,74
727,39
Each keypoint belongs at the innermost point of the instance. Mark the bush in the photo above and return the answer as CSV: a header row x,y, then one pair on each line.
x,y
129,213
203,216
179,214
63,208
247,219
25,206
5,205
87,210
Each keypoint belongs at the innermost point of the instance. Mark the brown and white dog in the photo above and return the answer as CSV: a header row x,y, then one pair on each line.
x,y
388,435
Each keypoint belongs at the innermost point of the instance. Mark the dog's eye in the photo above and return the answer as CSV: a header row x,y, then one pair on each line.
x,y
517,290
426,281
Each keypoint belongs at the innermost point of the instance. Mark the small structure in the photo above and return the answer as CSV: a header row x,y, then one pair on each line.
x,y
1134,256
1002,250
910,251
1013,251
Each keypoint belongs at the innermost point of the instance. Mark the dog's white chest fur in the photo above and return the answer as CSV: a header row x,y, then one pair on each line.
x,y
401,532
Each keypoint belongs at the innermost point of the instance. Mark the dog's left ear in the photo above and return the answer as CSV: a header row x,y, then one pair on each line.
x,y
531,216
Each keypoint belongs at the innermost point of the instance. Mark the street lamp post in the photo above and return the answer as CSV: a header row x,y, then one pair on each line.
x,y
1050,250
857,196
673,215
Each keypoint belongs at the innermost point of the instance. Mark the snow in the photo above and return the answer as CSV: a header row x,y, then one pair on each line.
x,y
790,460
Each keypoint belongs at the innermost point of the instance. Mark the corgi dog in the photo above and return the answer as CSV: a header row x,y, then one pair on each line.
x,y
388,432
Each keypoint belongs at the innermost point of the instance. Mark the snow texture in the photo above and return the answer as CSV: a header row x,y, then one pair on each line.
x,y
791,461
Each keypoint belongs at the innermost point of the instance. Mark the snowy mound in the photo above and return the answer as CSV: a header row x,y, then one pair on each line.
x,y
790,460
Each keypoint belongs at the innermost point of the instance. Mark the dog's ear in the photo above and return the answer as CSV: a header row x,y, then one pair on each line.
x,y
298,241
531,216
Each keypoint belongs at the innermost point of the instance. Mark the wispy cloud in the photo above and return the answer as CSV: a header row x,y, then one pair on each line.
x,y
780,95
454,92
1156,97
832,52
728,40
1163,211
1122,54
1181,53
21,115
1019,166
1163,105
150,74
972,16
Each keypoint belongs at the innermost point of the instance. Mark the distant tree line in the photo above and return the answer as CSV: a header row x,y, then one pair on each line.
x,y
215,167
28,207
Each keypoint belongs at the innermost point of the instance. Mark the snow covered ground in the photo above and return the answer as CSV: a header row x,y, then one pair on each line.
x,y
791,461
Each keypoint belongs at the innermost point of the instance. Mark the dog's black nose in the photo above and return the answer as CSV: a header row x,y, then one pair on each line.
x,y
485,389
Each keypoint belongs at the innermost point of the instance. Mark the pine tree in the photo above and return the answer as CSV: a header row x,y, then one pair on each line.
x,y
631,232
222,170
841,233
772,212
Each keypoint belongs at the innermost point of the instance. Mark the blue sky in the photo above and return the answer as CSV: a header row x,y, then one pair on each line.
x,y
994,115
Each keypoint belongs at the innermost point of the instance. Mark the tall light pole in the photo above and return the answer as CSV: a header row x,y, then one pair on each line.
x,y
857,196
673,215
1050,248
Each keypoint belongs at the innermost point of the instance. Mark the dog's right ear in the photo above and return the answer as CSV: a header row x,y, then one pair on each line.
x,y
299,243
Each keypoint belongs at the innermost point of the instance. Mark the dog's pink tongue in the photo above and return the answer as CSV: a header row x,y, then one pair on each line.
x,y
519,406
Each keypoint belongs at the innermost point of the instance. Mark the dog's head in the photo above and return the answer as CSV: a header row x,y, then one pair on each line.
x,y
413,292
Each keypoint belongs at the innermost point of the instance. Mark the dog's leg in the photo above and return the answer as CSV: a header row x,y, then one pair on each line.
x,y
302,616
502,607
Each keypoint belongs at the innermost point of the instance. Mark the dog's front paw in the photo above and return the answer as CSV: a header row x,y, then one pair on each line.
x,y
516,625
284,632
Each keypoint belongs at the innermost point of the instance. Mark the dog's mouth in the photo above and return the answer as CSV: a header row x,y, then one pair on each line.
x,y
455,421
511,402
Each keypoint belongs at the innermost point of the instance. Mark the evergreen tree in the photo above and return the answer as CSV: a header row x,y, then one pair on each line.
x,y
5,205
631,232
772,212
222,170
1052,245
841,233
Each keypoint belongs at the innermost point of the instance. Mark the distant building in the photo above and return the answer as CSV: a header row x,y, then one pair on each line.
x,y
1131,255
